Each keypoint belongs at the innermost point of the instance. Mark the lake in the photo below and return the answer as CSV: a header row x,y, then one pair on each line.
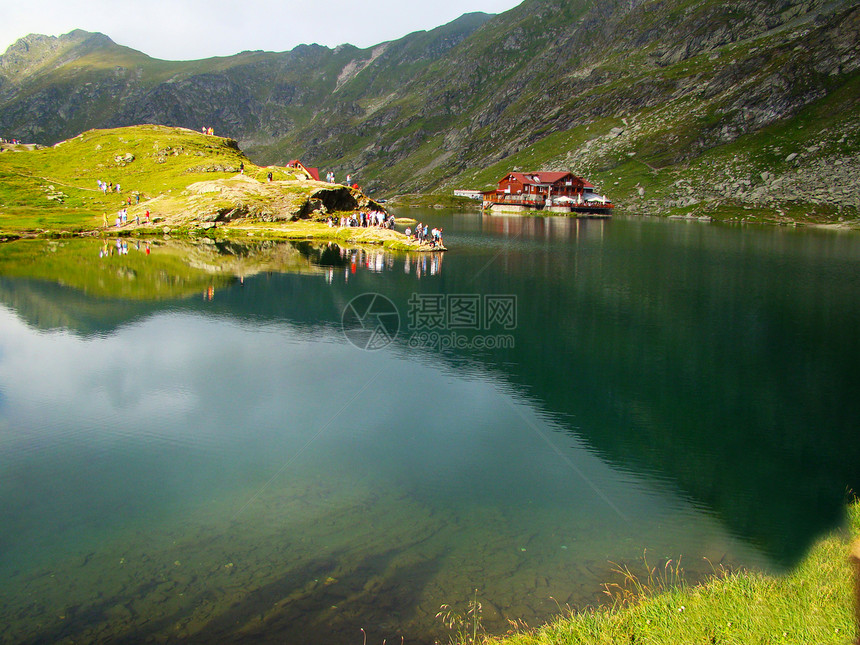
x,y
229,442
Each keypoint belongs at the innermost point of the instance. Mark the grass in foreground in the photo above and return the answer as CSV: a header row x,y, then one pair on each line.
x,y
812,604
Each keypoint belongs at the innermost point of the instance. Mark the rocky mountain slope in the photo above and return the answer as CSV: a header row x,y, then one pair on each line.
x,y
742,110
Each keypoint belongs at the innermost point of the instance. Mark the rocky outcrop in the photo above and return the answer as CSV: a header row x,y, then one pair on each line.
x,y
241,197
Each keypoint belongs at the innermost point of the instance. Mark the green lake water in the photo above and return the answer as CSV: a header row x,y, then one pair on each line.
x,y
195,458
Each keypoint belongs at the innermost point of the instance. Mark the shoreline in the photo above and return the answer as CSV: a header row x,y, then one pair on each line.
x,y
388,239
814,602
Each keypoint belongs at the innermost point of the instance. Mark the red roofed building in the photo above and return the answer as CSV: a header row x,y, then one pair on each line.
x,y
558,191
312,173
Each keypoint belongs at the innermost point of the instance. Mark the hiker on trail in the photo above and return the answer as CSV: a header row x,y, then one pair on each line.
x,y
242,167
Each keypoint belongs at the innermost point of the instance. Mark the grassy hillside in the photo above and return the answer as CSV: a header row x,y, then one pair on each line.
x,y
182,178
57,187
172,180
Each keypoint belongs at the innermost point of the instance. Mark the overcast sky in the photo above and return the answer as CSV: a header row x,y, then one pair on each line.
x,y
192,29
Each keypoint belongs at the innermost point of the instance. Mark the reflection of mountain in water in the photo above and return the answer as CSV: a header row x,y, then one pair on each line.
x,y
45,305
685,366
90,286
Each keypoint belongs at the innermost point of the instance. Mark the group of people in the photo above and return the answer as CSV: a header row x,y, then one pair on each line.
x,y
14,142
424,234
122,218
206,130
329,177
108,186
122,215
365,219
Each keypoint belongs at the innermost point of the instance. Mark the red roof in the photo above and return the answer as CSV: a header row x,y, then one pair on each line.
x,y
313,172
533,178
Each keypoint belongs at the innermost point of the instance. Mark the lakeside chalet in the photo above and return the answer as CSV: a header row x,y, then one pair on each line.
x,y
549,192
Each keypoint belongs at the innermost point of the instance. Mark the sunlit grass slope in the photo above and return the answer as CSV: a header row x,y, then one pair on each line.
x,y
56,188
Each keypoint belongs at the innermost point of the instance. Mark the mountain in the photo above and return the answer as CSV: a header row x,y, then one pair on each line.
x,y
742,110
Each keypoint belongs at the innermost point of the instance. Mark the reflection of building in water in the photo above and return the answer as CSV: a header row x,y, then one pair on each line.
x,y
557,227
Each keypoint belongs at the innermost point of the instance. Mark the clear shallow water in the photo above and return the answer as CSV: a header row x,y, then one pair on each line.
x,y
227,466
